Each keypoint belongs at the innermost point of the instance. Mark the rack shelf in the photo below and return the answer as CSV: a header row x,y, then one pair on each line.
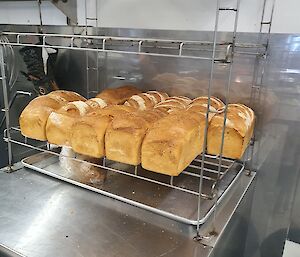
x,y
131,45
159,193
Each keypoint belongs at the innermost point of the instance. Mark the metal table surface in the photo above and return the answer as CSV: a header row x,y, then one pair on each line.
x,y
42,216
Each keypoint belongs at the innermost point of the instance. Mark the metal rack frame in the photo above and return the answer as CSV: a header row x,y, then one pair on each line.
x,y
183,48
167,181
226,165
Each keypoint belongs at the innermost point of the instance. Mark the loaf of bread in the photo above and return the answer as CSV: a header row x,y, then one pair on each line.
x,y
238,131
215,103
88,132
125,135
174,103
34,117
173,142
118,95
199,106
146,101
96,103
60,122
67,96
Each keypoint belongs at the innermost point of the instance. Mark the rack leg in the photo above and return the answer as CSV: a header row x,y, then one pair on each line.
x,y
207,115
6,109
136,170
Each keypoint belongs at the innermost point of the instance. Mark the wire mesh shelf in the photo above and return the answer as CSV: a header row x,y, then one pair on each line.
x,y
173,197
131,45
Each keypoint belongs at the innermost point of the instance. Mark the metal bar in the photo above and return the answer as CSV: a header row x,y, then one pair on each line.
x,y
197,175
262,15
6,107
87,74
140,46
212,163
270,25
15,128
180,48
134,39
171,180
97,25
228,88
116,51
136,170
207,112
226,171
12,100
228,9
40,15
72,42
85,13
103,44
205,169
215,187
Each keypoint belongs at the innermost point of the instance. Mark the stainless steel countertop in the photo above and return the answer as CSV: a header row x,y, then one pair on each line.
x,y
42,216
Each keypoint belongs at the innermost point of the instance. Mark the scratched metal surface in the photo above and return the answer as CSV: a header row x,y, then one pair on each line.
x,y
277,159
42,216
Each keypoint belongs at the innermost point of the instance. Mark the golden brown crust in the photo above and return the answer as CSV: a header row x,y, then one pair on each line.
x,y
173,104
34,117
115,110
68,96
125,134
239,117
88,132
60,122
118,95
141,101
159,96
172,143
238,131
215,102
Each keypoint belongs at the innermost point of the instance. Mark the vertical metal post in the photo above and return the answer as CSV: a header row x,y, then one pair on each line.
x,y
136,170
85,13
88,68
262,15
86,52
227,92
6,107
198,236
259,68
98,86
270,22
40,16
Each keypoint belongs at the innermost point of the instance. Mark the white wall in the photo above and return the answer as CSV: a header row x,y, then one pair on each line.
x,y
159,14
27,12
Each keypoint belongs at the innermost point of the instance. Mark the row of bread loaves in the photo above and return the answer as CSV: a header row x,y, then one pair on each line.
x,y
34,117
162,133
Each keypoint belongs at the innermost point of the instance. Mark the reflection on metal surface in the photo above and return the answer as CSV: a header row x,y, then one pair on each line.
x,y
84,223
32,235
178,205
